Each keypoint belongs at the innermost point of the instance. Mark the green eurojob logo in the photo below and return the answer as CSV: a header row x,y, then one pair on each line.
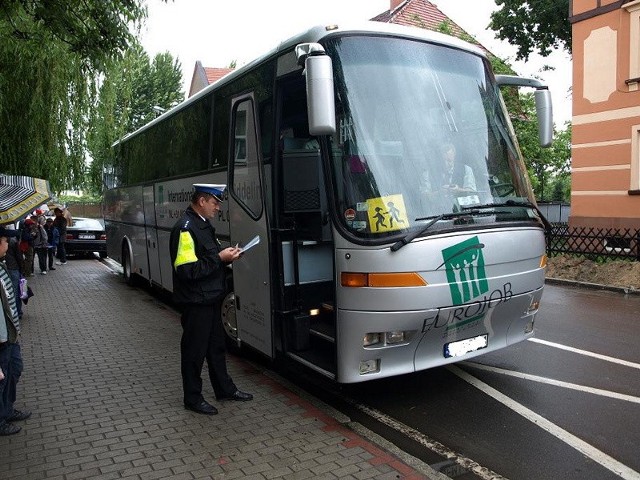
x,y
464,265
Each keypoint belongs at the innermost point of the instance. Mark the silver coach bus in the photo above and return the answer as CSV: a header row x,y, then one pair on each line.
x,y
338,148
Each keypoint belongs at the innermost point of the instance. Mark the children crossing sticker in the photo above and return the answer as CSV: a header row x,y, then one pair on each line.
x,y
386,214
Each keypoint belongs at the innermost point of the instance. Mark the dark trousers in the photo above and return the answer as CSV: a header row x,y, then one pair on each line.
x,y
11,364
61,252
203,337
50,255
42,258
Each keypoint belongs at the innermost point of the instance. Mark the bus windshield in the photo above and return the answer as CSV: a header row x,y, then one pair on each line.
x,y
421,132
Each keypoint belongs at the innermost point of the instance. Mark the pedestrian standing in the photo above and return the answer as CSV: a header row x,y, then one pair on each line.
x,y
61,224
199,277
10,355
26,246
41,244
14,260
53,237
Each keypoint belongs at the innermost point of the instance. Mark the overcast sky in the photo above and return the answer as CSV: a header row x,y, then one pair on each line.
x,y
218,33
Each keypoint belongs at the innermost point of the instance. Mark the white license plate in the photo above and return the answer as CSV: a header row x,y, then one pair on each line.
x,y
462,347
86,237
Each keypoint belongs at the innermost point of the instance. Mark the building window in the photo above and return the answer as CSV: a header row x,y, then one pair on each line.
x,y
633,8
635,158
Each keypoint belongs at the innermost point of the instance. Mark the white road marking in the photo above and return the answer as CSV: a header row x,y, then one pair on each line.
x,y
557,383
583,447
419,437
586,352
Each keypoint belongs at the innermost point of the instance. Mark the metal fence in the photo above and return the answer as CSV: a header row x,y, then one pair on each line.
x,y
555,212
594,243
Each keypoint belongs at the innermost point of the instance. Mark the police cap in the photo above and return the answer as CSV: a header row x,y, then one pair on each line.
x,y
216,190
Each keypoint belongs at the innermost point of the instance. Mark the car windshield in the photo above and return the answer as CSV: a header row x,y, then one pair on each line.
x,y
422,133
87,223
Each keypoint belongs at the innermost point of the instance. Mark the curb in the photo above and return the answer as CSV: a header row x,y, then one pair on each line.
x,y
382,449
592,286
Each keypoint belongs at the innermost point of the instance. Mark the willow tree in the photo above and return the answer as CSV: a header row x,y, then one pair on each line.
x,y
50,55
133,91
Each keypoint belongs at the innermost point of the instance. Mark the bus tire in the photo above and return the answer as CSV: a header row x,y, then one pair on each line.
x,y
129,276
229,320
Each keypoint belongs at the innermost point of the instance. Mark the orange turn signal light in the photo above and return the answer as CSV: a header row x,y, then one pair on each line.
x,y
543,261
400,279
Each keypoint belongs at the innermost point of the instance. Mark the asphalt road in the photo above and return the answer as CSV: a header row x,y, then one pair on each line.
x,y
565,404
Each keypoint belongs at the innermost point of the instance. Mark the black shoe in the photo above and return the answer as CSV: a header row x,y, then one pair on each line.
x,y
51,268
19,415
238,396
203,407
8,429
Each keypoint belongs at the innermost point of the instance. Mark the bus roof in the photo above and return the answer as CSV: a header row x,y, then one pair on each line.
x,y
313,35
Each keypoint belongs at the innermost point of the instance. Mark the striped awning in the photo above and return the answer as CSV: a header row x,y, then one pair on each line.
x,y
20,195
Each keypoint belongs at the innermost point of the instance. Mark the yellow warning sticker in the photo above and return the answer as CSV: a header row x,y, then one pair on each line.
x,y
387,214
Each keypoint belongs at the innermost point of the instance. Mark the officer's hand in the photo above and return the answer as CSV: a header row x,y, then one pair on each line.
x,y
230,254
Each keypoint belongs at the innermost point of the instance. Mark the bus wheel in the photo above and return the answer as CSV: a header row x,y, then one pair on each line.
x,y
126,268
229,321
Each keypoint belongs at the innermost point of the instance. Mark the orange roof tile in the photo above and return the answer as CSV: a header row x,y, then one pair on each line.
x,y
423,14
214,74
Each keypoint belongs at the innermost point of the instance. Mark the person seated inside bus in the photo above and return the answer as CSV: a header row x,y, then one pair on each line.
x,y
449,174
458,176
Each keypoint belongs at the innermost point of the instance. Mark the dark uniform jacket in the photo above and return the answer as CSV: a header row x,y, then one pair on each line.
x,y
61,224
198,271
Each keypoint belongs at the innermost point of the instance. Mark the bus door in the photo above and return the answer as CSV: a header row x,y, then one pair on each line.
x,y
305,241
247,222
151,235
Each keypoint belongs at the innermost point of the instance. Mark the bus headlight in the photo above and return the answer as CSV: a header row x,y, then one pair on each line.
x,y
370,339
533,307
394,337
387,339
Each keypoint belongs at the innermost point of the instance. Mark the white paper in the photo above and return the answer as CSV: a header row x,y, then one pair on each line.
x,y
252,243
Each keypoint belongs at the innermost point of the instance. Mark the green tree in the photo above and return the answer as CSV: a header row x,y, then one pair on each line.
x,y
545,165
51,52
133,92
532,25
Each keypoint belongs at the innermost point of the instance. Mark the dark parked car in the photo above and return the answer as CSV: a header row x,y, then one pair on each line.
x,y
86,235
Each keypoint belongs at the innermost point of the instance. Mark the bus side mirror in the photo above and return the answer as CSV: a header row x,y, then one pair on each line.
x,y
544,109
545,116
318,73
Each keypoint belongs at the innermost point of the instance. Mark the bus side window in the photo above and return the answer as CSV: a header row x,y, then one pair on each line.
x,y
245,181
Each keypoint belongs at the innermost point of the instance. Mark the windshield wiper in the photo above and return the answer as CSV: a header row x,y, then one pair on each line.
x,y
445,216
468,211
515,203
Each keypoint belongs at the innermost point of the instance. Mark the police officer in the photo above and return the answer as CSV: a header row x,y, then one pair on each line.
x,y
199,265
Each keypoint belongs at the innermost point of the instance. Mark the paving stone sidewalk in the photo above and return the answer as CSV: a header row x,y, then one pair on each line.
x,y
102,378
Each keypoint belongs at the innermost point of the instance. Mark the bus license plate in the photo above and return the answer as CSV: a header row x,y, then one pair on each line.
x,y
468,345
